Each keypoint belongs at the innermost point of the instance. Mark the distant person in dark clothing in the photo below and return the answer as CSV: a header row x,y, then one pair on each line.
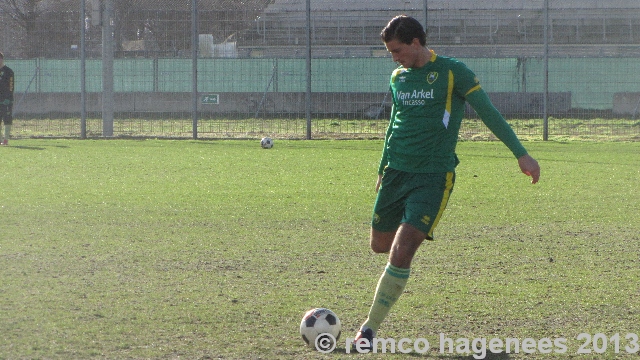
x,y
6,100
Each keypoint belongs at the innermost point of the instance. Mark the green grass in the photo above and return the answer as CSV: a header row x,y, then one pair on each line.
x,y
125,249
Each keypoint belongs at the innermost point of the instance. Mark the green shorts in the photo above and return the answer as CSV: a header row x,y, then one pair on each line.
x,y
413,198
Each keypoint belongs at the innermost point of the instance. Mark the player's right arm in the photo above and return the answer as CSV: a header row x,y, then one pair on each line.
x,y
383,160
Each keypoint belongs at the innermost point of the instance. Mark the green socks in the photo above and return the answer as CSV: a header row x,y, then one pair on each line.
x,y
390,287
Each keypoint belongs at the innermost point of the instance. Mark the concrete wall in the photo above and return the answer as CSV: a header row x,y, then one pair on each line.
x,y
626,103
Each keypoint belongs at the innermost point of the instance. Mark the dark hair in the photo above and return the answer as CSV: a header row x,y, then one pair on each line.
x,y
404,29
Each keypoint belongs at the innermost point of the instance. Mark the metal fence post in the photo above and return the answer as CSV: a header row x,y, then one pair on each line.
x,y
308,96
426,16
545,126
83,71
194,67
108,49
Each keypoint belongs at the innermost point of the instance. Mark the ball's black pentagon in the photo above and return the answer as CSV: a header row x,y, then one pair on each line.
x,y
331,319
305,339
310,322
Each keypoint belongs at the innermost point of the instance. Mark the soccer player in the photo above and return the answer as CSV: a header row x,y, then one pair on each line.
x,y
417,170
6,99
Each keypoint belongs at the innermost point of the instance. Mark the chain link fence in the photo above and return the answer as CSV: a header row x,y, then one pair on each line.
x,y
300,69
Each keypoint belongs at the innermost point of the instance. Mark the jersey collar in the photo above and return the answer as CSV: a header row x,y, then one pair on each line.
x,y
433,56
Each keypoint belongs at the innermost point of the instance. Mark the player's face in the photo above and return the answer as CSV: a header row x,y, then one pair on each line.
x,y
406,55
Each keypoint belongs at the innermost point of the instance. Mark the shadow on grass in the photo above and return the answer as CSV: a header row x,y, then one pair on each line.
x,y
21,147
489,356
430,355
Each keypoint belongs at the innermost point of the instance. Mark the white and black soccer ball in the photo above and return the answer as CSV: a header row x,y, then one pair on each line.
x,y
317,322
266,143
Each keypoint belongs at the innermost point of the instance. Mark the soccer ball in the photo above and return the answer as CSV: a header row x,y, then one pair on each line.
x,y
266,143
320,321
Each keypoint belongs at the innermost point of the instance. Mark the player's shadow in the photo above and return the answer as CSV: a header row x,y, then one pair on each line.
x,y
430,355
488,356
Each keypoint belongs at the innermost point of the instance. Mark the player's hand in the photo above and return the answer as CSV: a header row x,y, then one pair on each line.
x,y
378,183
530,167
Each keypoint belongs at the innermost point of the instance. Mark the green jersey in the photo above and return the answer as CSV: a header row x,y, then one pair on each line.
x,y
428,107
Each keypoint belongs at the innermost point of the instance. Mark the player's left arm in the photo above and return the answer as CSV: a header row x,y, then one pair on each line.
x,y
529,166
479,100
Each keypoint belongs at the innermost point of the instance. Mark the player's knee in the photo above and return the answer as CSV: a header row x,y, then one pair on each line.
x,y
381,241
380,248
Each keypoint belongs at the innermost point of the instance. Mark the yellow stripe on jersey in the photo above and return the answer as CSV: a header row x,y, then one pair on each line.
x,y
447,109
443,204
449,92
477,87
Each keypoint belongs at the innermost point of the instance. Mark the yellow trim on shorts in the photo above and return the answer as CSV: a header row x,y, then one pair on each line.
x,y
445,199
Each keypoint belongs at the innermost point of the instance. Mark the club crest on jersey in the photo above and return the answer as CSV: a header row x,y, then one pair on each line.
x,y
432,77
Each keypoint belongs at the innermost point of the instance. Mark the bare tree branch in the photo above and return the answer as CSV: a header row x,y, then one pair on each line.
x,y
23,12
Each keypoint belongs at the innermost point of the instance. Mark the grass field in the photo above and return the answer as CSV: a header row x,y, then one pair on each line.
x,y
161,249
